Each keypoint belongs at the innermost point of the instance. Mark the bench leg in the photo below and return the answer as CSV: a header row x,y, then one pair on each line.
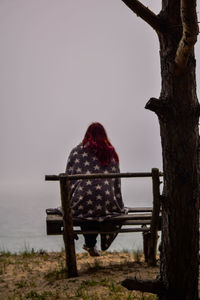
x,y
146,239
68,234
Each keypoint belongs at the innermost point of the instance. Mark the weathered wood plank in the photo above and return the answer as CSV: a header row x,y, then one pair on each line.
x,y
97,175
54,223
139,209
155,218
117,219
76,222
68,234
122,230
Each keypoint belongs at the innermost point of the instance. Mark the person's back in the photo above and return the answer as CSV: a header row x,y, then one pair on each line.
x,y
95,199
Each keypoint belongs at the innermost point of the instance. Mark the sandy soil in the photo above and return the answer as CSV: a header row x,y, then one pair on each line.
x,y
42,276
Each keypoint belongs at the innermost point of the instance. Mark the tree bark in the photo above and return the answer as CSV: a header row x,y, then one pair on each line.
x,y
147,286
178,113
190,31
146,14
179,137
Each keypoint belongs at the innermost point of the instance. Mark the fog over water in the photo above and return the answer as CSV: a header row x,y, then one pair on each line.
x,y
65,64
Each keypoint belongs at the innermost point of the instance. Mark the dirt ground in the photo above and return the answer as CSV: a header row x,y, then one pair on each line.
x,y
42,276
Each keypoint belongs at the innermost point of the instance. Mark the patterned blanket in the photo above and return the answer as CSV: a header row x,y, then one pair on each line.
x,y
94,199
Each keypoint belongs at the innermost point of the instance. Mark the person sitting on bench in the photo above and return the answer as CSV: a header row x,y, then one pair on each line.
x,y
95,199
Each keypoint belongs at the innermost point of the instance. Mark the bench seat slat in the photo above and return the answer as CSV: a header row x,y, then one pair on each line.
x,y
123,230
117,219
54,223
139,209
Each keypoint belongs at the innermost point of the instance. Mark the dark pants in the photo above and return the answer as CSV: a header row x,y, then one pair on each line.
x,y
90,239
106,239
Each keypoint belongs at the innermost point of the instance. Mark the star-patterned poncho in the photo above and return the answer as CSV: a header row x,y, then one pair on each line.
x,y
94,199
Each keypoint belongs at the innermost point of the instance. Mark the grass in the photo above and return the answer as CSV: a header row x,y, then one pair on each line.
x,y
30,280
38,296
138,254
113,291
5,252
56,274
26,251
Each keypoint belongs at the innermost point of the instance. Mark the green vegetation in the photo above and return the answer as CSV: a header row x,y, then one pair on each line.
x,y
40,275
5,252
57,274
26,251
39,296
138,254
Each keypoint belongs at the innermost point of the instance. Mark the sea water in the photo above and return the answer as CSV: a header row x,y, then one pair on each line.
x,y
22,215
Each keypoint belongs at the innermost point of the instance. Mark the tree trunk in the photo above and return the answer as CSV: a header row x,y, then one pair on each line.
x,y
178,113
180,238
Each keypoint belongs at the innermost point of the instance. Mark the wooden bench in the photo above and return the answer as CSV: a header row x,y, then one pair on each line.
x,y
139,219
138,216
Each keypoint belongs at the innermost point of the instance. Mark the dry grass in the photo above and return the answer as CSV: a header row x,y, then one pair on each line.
x,y
42,276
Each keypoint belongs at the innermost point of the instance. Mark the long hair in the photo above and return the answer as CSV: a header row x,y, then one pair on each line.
x,y
97,142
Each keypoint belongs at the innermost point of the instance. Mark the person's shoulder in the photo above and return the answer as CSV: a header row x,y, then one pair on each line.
x,y
77,149
114,165
114,162
74,149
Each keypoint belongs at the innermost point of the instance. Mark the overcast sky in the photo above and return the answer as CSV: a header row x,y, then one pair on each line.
x,y
65,64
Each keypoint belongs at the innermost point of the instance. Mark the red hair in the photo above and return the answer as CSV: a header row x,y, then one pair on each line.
x,y
96,141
